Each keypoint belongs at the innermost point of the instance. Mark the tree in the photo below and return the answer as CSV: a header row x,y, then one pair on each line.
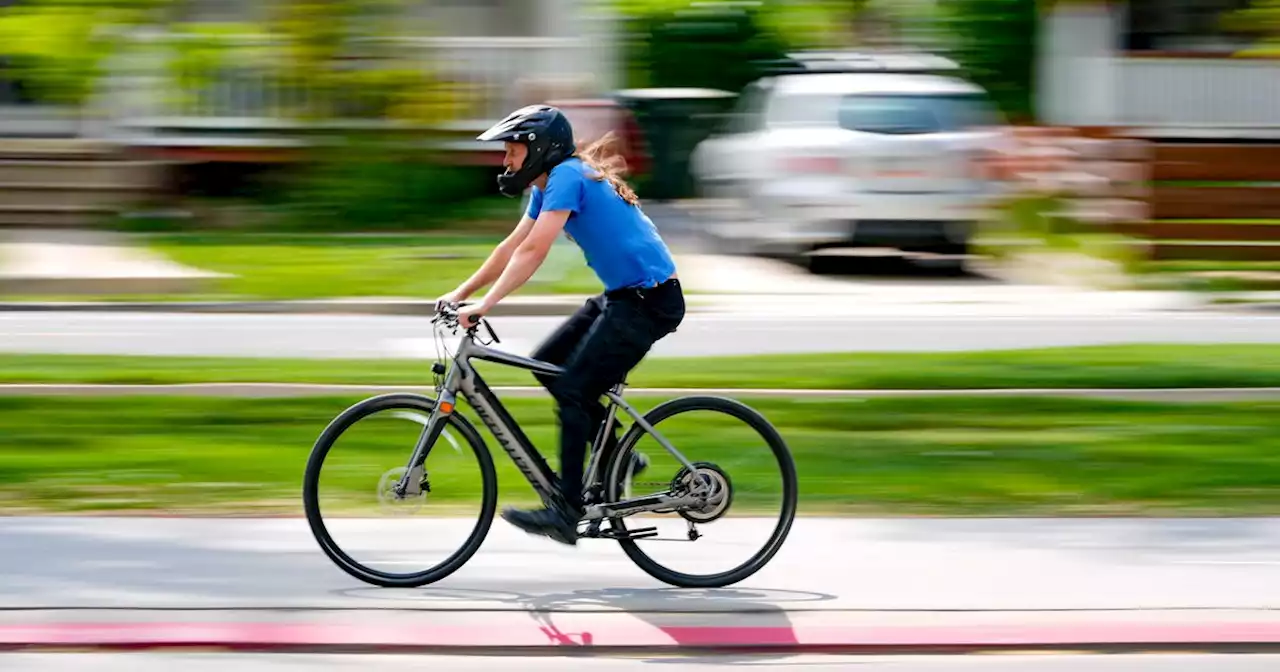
x,y
58,48
325,62
1261,19
335,58
995,41
719,48
342,57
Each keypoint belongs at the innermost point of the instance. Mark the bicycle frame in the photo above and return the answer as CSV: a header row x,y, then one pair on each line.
x,y
462,378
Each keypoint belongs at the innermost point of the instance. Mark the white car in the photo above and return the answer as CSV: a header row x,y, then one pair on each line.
x,y
874,153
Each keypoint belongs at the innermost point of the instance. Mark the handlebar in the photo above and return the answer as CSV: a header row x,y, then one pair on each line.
x,y
448,316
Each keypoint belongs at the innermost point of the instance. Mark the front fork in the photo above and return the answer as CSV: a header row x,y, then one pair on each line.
x,y
410,484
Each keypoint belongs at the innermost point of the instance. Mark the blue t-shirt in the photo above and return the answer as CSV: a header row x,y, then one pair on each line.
x,y
619,241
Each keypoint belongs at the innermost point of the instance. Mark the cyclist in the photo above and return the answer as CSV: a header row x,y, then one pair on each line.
x,y
578,192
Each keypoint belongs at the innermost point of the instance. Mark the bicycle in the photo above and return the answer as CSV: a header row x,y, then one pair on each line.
x,y
700,493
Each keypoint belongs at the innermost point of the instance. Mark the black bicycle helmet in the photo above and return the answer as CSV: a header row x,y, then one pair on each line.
x,y
545,131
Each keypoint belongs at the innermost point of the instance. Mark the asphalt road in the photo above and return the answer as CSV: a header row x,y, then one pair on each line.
x,y
827,565
212,662
313,336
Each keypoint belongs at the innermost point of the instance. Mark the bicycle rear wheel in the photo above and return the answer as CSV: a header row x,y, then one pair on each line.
x,y
354,466
741,456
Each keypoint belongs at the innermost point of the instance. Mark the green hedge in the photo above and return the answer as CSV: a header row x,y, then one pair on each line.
x,y
712,47
362,187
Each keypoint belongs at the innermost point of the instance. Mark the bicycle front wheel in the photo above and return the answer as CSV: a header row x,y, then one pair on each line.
x,y
389,538
746,464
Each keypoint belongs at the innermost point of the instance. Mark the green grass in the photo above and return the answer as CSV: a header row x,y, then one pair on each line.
x,y
1213,276
1210,266
312,267
939,456
1136,366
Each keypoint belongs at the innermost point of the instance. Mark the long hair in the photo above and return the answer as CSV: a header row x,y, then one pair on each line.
x,y
609,165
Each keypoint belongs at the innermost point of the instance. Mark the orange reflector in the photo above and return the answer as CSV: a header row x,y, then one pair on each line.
x,y
446,407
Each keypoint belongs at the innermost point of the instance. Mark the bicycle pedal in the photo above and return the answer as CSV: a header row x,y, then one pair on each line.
x,y
642,533
592,531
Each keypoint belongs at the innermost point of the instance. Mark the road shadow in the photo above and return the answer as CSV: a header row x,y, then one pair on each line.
x,y
891,268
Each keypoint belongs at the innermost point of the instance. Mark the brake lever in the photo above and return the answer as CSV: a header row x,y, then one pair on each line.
x,y
492,334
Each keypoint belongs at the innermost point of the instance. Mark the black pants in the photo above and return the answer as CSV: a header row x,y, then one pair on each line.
x,y
598,346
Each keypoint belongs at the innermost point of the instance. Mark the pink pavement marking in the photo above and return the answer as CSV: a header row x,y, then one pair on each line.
x,y
532,634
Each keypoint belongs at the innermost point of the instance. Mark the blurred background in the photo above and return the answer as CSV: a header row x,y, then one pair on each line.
x,y
1122,144
1095,169
972,257
1117,144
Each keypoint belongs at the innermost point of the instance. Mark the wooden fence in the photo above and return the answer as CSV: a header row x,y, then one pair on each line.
x,y
1200,200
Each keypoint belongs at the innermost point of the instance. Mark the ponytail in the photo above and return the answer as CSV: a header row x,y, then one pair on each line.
x,y
609,165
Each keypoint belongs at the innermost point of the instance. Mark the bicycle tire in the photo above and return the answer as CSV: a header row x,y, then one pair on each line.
x,y
315,519
756,421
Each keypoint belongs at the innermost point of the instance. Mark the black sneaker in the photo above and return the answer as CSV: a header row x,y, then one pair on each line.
x,y
557,522
639,463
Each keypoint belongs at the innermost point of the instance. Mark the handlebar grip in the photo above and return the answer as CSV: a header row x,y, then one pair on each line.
x,y
451,311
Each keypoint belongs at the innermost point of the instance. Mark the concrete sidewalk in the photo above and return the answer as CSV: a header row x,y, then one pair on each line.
x,y
42,261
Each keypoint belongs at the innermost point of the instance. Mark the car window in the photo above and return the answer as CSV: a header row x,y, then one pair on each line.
x,y
898,114
747,112
907,114
804,110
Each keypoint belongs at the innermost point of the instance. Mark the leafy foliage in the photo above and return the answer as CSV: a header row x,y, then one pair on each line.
x,y
1262,19
995,40
713,47
57,48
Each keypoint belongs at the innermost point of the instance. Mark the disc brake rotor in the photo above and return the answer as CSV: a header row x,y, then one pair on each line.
x,y
394,503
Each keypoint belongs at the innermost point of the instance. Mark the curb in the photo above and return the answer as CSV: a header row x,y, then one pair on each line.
x,y
286,390
547,639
